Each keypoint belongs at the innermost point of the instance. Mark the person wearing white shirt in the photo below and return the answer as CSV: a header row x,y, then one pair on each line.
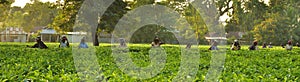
x,y
156,42
289,45
64,42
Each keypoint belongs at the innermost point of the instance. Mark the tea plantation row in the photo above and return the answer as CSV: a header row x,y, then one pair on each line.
x,y
18,63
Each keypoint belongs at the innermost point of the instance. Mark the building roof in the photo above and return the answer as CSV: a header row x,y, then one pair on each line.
x,y
48,31
77,33
13,31
213,35
216,38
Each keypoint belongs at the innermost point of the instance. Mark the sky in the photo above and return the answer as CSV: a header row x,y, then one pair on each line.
x,y
22,3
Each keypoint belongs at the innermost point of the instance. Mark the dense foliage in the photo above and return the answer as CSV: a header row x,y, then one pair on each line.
x,y
18,63
261,20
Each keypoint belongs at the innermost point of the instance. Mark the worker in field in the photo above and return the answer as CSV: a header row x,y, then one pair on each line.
x,y
235,45
122,43
64,42
253,46
188,46
156,42
39,44
214,45
289,45
270,45
264,45
297,44
282,45
83,44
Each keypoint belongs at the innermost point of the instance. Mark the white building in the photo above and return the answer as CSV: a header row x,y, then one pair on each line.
x,y
49,35
13,34
75,37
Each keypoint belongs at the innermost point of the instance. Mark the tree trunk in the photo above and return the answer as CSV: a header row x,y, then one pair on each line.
x,y
95,39
28,37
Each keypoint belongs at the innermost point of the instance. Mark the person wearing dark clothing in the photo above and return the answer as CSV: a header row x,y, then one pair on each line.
x,y
156,42
253,46
282,45
39,44
235,45
264,45
64,42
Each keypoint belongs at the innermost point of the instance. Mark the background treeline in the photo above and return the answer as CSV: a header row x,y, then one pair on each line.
x,y
275,21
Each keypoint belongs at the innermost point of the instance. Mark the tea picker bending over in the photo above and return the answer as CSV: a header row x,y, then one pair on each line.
x,y
122,43
188,46
39,44
235,45
253,46
289,45
156,42
83,44
270,45
282,45
214,45
297,44
264,45
64,42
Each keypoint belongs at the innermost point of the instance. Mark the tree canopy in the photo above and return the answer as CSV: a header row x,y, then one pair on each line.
x,y
276,21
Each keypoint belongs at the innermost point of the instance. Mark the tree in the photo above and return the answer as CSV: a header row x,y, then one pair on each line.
x,y
37,14
69,10
112,15
244,15
185,9
5,8
268,31
281,22
196,20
